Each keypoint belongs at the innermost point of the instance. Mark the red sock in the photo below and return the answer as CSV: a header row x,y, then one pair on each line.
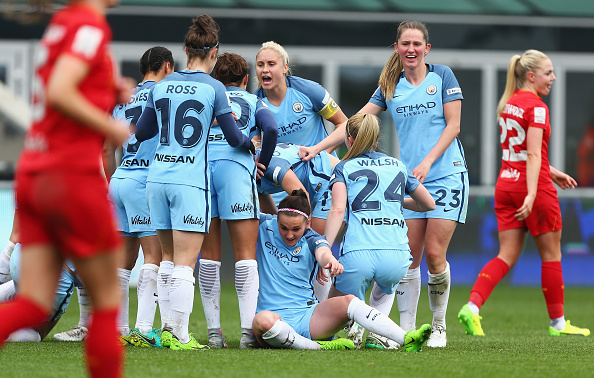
x,y
487,279
19,313
104,351
553,288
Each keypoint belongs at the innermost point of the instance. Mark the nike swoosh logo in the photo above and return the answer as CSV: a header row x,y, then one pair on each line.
x,y
412,340
369,314
151,341
446,210
155,295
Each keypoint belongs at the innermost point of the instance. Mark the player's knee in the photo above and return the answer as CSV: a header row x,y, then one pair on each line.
x,y
263,321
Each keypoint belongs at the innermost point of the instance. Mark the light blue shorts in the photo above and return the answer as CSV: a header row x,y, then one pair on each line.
x,y
298,319
386,266
178,207
64,290
451,199
128,196
233,192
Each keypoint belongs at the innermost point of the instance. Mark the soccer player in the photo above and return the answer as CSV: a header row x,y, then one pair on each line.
x,y
289,316
66,284
234,198
371,185
525,197
7,251
127,189
61,193
425,102
181,108
286,172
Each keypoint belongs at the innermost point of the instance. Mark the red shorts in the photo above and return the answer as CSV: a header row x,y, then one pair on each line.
x,y
545,216
67,210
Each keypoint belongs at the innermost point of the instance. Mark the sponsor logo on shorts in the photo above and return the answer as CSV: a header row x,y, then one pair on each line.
x,y
190,219
242,207
510,173
140,220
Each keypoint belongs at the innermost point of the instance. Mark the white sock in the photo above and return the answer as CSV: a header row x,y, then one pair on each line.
x,y
282,335
123,318
181,296
209,280
7,291
558,324
375,321
321,291
5,262
380,300
247,284
147,297
163,288
84,307
474,308
409,291
439,294
24,335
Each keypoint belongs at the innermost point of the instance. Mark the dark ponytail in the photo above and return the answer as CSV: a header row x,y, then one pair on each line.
x,y
153,59
202,37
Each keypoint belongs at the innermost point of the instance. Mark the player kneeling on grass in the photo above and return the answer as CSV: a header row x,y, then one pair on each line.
x,y
64,290
288,314
375,246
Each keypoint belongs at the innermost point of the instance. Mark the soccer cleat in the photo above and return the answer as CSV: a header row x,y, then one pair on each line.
x,y
416,338
166,338
438,337
339,344
190,345
216,339
355,333
139,339
75,333
470,321
375,341
248,340
569,330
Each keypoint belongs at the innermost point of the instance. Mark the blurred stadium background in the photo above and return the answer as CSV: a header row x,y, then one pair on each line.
x,y
343,45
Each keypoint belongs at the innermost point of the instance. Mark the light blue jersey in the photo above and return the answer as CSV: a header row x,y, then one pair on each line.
x,y
313,174
285,272
419,119
298,117
376,184
186,103
245,105
137,156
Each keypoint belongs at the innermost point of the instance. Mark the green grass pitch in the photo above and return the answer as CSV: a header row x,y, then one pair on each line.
x,y
514,319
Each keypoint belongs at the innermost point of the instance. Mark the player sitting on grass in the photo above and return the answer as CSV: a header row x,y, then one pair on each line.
x,y
288,314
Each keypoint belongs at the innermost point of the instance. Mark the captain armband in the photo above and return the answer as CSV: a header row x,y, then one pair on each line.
x,y
329,110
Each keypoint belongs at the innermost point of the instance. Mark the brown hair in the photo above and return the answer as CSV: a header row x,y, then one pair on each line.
x,y
230,69
391,72
364,129
296,200
202,36
517,69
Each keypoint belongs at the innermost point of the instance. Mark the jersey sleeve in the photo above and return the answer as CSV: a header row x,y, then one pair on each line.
x,y
411,182
118,112
222,103
378,98
265,217
450,89
337,175
318,96
315,240
538,116
276,171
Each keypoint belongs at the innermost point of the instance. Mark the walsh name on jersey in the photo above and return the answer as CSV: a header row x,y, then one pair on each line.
x,y
377,162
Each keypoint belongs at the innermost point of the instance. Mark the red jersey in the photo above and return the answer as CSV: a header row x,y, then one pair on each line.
x,y
56,142
524,109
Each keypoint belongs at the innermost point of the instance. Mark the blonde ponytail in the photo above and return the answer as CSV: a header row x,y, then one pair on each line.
x,y
364,129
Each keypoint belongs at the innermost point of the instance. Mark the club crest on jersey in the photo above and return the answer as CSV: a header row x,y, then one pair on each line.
x,y
432,89
297,107
296,251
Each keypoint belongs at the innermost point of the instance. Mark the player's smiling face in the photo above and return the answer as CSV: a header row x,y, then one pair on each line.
x,y
270,69
544,77
412,47
291,228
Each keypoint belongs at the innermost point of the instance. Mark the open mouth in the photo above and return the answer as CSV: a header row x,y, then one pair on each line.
x,y
266,79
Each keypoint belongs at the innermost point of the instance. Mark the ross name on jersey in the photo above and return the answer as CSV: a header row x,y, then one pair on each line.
x,y
383,222
181,89
135,163
284,258
377,162
174,159
513,110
